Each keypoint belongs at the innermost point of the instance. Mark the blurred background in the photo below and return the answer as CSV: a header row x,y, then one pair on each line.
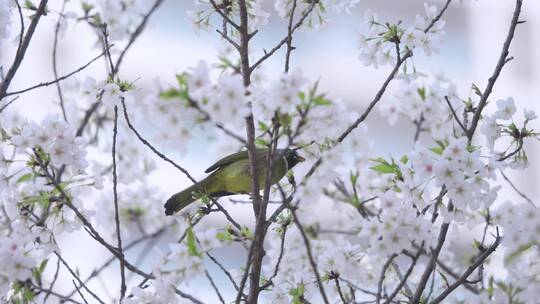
x,y
169,45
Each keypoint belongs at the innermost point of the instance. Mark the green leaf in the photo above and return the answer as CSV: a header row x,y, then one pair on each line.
x,y
182,79
29,5
476,90
302,95
24,178
422,93
87,7
170,94
261,142
191,243
262,126
246,232
437,150
321,101
404,159
383,168
353,177
224,236
297,294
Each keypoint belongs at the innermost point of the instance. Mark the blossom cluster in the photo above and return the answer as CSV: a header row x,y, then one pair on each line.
x,y
319,9
121,17
503,123
180,265
54,137
200,15
380,43
421,100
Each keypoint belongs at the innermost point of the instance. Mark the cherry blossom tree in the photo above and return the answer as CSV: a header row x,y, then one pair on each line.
x,y
391,229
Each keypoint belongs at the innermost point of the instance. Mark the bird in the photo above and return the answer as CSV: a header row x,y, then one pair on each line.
x,y
232,175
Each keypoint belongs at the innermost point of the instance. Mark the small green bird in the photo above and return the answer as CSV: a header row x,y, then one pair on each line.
x,y
231,175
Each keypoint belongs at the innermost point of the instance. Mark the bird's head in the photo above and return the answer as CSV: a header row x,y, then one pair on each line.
x,y
293,158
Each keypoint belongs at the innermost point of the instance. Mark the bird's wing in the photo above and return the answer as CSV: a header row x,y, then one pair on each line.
x,y
232,158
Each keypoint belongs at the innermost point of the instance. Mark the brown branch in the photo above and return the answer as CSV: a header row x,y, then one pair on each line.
x,y
74,275
381,278
225,271
500,64
286,39
518,148
146,143
79,291
214,286
289,37
116,213
224,16
136,34
54,63
463,278
57,80
431,264
280,257
523,195
21,20
133,243
338,287
310,256
40,11
187,296
89,228
52,292
461,125
403,280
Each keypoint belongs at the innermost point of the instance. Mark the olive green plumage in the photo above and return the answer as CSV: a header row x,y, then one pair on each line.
x,y
231,175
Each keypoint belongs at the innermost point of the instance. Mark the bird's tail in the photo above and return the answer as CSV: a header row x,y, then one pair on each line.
x,y
183,198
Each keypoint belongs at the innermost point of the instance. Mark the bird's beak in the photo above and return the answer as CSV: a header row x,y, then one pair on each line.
x,y
301,159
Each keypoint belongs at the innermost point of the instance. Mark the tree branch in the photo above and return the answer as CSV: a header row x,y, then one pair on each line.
x,y
40,11
500,63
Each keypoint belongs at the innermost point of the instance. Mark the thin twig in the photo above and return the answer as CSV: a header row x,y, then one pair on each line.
x,y
310,255
225,271
461,125
79,291
136,34
55,277
75,276
146,143
500,64
48,83
187,296
463,278
431,264
382,276
280,257
403,280
40,11
214,286
54,63
52,292
116,212
289,37
523,195
284,40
